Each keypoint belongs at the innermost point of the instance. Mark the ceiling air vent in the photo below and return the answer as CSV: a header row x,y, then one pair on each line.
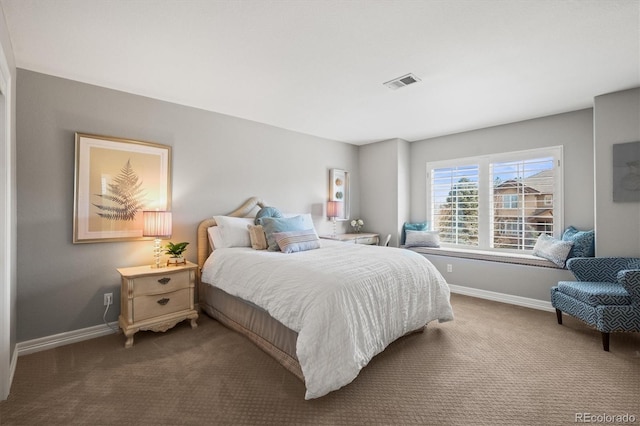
x,y
399,82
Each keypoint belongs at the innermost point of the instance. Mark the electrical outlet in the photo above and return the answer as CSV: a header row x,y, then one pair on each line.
x,y
449,267
108,299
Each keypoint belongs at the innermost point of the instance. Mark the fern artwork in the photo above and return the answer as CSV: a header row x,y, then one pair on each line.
x,y
117,179
125,194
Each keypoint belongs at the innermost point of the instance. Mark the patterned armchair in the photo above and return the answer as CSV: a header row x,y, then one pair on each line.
x,y
606,295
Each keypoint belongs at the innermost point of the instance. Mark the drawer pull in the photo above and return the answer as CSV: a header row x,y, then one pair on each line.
x,y
163,301
164,280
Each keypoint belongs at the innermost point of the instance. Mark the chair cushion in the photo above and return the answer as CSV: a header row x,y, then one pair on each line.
x,y
595,294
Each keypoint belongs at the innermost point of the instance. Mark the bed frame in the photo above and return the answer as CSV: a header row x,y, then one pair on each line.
x,y
251,321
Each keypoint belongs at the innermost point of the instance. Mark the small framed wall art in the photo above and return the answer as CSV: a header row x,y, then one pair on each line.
x,y
626,172
339,190
115,180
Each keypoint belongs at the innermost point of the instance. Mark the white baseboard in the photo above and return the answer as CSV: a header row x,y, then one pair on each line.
x,y
50,342
527,302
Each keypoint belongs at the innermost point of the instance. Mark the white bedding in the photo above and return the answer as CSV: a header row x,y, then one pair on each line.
x,y
346,301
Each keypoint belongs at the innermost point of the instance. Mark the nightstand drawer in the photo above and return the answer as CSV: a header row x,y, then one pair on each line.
x,y
367,240
161,283
153,306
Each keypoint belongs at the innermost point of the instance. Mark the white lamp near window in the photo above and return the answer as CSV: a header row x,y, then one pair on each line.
x,y
334,209
157,224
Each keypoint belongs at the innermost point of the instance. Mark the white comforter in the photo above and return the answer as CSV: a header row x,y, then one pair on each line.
x,y
346,301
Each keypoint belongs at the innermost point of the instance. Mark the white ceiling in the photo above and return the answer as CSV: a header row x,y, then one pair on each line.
x,y
318,66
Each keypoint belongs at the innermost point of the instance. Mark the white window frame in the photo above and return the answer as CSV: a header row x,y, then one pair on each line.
x,y
485,192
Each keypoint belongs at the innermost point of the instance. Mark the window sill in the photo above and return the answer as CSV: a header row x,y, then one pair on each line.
x,y
515,258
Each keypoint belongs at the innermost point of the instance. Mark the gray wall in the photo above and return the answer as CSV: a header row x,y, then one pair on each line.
x,y
617,120
572,130
385,183
218,162
383,180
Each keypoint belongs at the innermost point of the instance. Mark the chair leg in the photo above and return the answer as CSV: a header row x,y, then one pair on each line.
x,y
605,341
559,316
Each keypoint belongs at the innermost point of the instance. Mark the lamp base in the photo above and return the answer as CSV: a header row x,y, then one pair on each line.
x,y
156,253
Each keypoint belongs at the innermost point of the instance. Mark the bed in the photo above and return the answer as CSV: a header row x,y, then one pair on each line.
x,y
322,313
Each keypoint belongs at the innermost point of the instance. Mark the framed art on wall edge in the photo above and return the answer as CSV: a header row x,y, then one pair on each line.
x,y
339,190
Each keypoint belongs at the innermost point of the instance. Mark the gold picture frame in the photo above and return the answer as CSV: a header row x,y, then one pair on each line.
x,y
115,179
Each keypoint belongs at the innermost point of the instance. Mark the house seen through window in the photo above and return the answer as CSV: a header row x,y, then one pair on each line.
x,y
498,202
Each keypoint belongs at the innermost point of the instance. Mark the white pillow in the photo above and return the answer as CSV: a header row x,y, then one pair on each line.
x,y
233,231
422,238
552,249
214,235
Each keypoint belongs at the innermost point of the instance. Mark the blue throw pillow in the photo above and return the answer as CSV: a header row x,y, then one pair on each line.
x,y
272,225
412,226
583,242
266,212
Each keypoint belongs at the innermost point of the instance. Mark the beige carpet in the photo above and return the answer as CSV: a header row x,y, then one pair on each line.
x,y
495,364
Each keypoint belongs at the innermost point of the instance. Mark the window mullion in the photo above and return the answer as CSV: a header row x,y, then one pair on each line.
x,y
485,204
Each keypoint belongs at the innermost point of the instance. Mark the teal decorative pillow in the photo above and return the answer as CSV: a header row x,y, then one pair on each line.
x,y
583,242
273,225
412,226
552,249
266,212
295,241
422,239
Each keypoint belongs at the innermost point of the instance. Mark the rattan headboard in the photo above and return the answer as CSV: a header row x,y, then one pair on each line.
x,y
204,250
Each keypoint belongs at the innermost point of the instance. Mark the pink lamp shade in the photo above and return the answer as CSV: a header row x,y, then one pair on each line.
x,y
334,209
156,224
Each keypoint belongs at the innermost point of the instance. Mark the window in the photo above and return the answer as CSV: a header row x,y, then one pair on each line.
x,y
496,202
510,201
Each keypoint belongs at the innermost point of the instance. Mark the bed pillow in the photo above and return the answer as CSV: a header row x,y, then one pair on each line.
x,y
233,231
583,242
272,225
306,218
266,212
257,237
214,235
422,239
552,249
412,226
295,241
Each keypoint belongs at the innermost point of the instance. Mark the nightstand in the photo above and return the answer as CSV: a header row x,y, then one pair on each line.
x,y
156,299
359,238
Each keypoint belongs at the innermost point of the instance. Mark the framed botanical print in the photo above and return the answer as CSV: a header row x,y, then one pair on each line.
x,y
115,180
339,190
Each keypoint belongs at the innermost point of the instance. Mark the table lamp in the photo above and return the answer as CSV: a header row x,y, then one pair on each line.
x,y
334,209
157,224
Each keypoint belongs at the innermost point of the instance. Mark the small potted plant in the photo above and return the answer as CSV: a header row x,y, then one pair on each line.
x,y
176,250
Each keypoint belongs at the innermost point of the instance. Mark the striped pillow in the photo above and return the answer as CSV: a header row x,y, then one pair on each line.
x,y
294,241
